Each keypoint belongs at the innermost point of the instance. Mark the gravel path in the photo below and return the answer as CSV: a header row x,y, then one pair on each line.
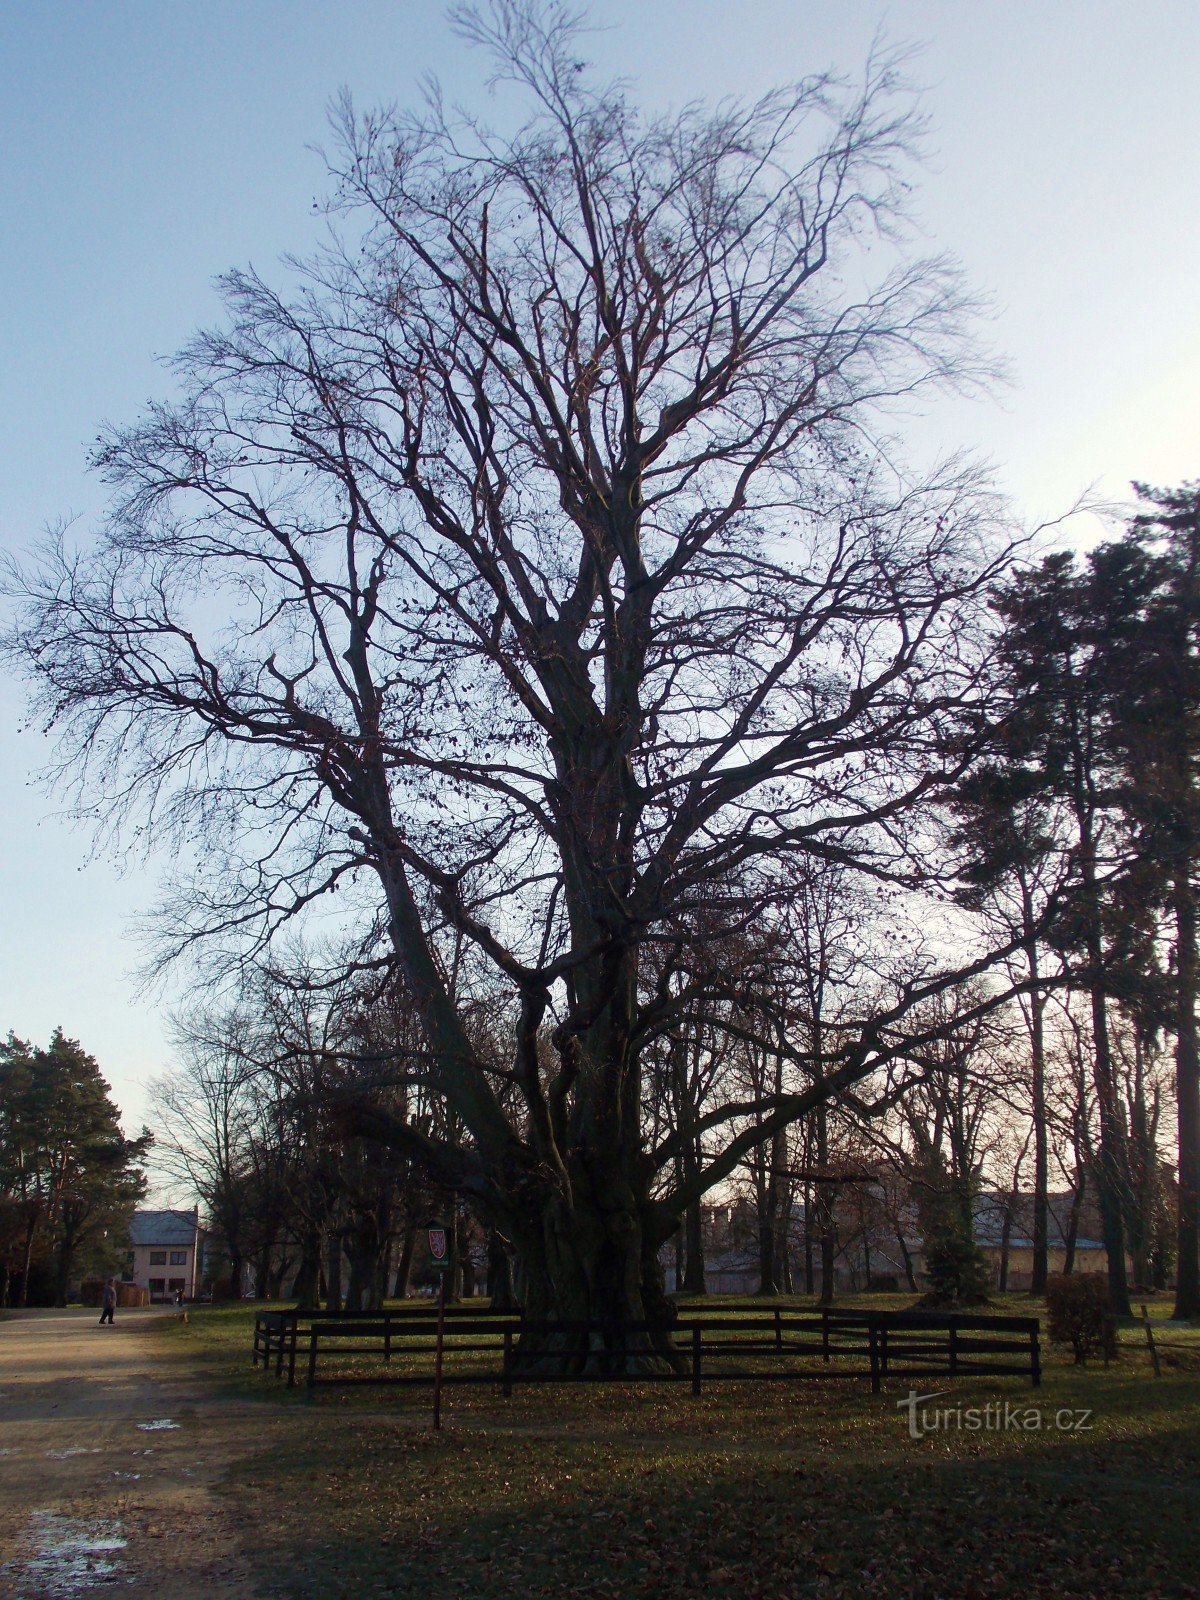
x,y
110,1464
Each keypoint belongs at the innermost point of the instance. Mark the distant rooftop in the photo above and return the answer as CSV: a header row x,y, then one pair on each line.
x,y
163,1227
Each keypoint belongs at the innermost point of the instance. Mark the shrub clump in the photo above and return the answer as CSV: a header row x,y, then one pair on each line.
x,y
1079,1315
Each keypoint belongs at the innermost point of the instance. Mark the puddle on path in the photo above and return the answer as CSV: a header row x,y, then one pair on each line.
x,y
73,1450
160,1422
65,1556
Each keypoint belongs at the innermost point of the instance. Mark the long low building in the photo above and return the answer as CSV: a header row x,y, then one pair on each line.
x,y
168,1251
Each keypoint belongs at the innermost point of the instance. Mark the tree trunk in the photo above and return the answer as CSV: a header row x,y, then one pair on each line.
x,y
307,1287
1005,1242
593,1257
1112,1166
1073,1222
466,1266
781,1188
810,1284
826,1201
500,1273
27,1262
408,1245
67,1246
693,1265
1041,1147
262,1273
333,1271
1187,1089
906,1257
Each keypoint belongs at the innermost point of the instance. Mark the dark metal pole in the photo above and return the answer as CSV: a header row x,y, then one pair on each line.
x,y
437,1366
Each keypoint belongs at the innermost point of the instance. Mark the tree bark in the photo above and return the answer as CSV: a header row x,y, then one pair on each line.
x,y
1041,1144
826,1202
408,1245
333,1271
693,1264
1073,1223
1187,1090
1112,1166
500,1285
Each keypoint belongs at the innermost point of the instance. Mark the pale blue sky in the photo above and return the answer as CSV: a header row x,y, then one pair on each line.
x,y
149,146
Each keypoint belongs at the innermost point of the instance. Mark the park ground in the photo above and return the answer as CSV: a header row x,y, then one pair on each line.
x,y
765,1491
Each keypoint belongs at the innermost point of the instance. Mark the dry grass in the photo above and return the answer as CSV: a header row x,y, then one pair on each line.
x,y
761,1491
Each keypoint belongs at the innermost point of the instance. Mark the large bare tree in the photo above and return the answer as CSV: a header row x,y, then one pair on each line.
x,y
542,559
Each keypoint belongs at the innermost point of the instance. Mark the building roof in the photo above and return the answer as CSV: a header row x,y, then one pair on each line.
x,y
163,1227
990,1208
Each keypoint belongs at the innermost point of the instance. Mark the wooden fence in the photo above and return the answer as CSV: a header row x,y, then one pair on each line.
x,y
767,1344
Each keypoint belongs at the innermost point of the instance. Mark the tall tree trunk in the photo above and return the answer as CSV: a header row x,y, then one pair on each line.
x,y
1112,1163
1187,1090
1041,1144
466,1266
333,1271
1073,1215
408,1244
906,1257
766,1195
826,1201
67,1246
1005,1243
307,1286
810,1281
262,1272
781,1190
693,1266
27,1261
500,1286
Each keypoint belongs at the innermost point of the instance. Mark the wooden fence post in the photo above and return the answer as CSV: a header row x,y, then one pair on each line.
x,y
873,1347
312,1360
953,1350
1035,1355
696,1359
506,1372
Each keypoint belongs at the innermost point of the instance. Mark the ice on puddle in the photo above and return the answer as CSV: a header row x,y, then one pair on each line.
x,y
66,1556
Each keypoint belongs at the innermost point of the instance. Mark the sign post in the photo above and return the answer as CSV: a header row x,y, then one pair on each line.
x,y
439,1254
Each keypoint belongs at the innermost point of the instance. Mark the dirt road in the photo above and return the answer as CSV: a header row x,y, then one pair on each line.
x,y
110,1465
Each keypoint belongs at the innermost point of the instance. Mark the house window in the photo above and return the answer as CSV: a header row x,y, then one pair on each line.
x,y
179,1258
176,1286
158,1258
157,1286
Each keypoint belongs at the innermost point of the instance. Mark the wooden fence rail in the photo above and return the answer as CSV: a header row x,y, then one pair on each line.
x,y
768,1344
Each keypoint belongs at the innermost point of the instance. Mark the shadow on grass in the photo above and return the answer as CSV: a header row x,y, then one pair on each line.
x,y
635,1495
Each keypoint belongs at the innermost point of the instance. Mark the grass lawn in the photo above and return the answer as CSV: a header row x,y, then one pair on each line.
x,y
751,1490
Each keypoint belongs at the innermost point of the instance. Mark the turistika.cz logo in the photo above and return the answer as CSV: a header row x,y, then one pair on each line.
x,y
998,1416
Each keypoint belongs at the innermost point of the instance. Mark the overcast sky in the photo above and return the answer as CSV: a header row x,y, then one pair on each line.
x,y
149,146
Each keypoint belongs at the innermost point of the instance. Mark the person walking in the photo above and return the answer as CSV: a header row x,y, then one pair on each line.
x,y
109,1302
